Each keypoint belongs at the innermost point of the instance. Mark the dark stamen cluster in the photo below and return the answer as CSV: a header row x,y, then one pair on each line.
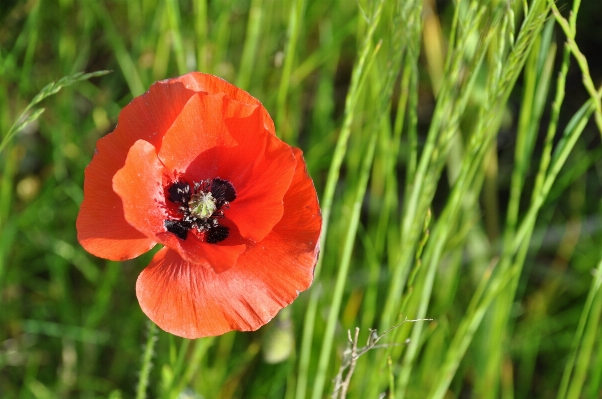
x,y
219,192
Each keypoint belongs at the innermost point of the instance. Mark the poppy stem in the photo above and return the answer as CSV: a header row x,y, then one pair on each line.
x,y
147,358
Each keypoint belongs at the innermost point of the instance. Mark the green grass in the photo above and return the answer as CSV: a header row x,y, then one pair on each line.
x,y
456,154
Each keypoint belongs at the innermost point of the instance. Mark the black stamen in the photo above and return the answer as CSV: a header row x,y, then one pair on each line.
x,y
217,234
178,227
179,192
223,191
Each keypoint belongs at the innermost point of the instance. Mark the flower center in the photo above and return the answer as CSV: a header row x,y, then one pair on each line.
x,y
200,206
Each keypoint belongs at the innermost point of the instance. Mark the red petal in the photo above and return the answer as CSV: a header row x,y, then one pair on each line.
x,y
139,184
191,301
199,127
212,84
219,257
101,227
302,217
259,202
260,168
182,298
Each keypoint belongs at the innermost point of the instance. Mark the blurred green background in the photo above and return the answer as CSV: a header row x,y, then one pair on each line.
x,y
457,160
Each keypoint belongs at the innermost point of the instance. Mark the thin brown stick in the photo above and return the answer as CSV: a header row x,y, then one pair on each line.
x,y
352,353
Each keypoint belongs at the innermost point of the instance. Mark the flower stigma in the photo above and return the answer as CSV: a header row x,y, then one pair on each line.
x,y
202,205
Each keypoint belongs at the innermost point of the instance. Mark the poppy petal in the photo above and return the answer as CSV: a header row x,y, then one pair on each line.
x,y
260,168
139,184
191,301
198,128
101,226
219,257
198,81
302,217
259,203
183,298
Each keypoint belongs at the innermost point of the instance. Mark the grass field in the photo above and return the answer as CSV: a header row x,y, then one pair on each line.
x,y
455,148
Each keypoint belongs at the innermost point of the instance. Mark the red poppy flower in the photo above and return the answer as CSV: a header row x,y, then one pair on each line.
x,y
194,164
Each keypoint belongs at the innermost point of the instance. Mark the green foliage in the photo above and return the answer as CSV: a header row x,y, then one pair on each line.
x,y
457,158
30,114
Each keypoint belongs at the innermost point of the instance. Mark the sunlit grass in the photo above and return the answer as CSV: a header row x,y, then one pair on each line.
x,y
458,174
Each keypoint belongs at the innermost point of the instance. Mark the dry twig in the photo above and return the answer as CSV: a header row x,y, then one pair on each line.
x,y
352,353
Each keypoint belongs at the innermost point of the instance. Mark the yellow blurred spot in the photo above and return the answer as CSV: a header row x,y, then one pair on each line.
x,y
433,45
352,309
278,342
146,60
101,120
28,188
71,151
